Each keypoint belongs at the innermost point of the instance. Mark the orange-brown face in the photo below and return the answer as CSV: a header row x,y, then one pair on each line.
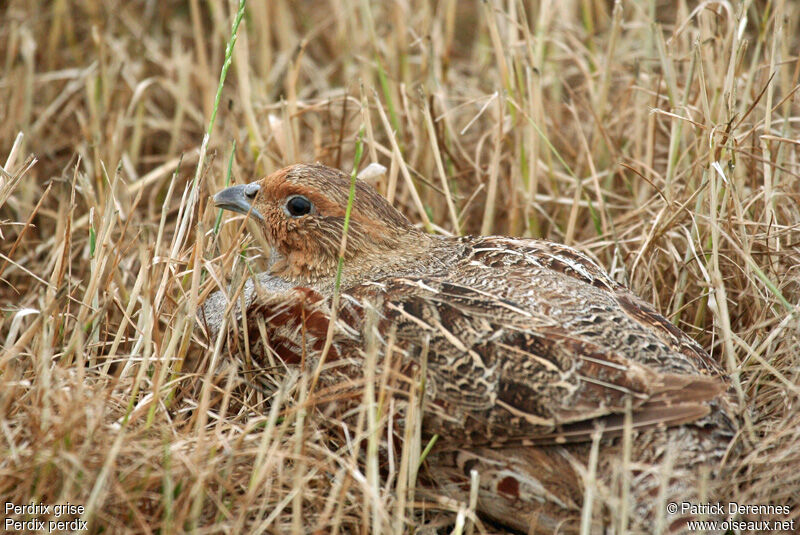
x,y
301,210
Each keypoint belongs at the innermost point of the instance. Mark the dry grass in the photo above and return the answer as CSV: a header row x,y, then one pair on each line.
x,y
661,137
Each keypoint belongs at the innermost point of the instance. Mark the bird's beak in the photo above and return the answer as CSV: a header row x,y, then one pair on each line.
x,y
239,199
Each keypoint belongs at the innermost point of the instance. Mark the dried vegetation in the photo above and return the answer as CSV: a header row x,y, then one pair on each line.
x,y
661,137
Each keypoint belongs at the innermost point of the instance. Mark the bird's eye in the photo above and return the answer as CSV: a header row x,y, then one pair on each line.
x,y
298,206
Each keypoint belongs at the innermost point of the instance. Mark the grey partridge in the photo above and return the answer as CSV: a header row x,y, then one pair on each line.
x,y
532,352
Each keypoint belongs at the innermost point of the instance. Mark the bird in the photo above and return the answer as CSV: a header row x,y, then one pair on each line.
x,y
533,355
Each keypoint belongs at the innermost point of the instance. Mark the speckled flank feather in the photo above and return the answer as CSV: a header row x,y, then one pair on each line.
x,y
530,349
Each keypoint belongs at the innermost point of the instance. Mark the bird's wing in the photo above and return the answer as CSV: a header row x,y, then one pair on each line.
x,y
499,370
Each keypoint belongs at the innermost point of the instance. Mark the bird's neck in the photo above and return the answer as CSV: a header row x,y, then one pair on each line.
x,y
416,253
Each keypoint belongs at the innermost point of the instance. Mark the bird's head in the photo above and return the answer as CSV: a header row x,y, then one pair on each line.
x,y
301,211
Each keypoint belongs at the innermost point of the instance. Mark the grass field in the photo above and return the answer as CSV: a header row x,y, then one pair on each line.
x,y
662,138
